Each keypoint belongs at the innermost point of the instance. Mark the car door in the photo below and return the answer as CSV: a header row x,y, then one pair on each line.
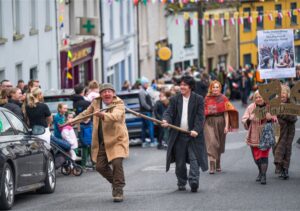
x,y
34,148
14,148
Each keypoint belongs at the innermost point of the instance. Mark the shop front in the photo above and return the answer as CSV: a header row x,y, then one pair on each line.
x,y
77,64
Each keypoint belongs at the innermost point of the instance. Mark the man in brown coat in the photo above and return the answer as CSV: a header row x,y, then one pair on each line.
x,y
110,144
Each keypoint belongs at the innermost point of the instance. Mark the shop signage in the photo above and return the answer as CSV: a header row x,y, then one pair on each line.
x,y
81,54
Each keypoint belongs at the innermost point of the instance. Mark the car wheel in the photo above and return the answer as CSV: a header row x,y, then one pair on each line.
x,y
50,181
7,188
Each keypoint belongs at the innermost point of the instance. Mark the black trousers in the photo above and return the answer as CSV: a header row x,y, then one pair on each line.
x,y
184,151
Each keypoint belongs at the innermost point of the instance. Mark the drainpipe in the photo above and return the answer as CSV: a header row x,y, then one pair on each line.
x,y
58,48
138,41
200,32
101,42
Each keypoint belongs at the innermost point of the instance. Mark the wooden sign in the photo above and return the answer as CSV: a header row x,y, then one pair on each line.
x,y
271,93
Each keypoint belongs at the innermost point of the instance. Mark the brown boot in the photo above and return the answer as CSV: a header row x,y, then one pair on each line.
x,y
212,167
117,194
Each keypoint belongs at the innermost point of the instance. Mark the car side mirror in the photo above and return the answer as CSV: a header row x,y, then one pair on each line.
x,y
37,130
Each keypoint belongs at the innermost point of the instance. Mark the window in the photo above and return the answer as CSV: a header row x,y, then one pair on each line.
x,y
247,25
96,8
16,123
111,22
260,23
247,59
128,16
121,18
1,21
16,16
195,63
186,64
2,74
226,29
187,32
33,19
33,73
48,16
19,73
294,17
278,20
297,34
5,127
210,29
49,74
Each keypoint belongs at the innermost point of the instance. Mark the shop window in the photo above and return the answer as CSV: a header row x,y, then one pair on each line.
x,y
278,20
19,72
33,73
210,64
247,25
223,61
260,23
297,34
247,59
294,17
186,64
187,33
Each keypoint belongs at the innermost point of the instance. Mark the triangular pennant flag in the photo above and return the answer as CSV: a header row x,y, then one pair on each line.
x,y
280,15
241,21
232,21
69,65
270,16
250,20
191,22
221,22
289,14
69,76
260,18
70,56
202,22
177,21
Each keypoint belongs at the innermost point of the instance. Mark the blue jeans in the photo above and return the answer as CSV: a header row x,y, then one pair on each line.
x,y
147,124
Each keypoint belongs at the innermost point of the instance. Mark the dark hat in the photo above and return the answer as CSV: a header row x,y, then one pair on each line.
x,y
106,86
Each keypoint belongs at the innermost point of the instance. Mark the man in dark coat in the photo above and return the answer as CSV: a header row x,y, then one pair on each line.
x,y
186,110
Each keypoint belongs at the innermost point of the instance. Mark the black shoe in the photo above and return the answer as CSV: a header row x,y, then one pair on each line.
x,y
181,187
263,179
284,174
194,187
258,178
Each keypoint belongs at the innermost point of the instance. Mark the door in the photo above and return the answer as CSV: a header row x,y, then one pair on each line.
x,y
33,145
14,148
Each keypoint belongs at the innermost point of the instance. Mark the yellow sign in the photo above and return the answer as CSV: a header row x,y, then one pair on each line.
x,y
81,54
164,53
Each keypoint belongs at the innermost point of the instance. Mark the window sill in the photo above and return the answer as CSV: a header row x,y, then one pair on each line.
x,y
294,24
247,31
48,28
211,42
17,37
227,38
278,26
188,46
2,40
33,32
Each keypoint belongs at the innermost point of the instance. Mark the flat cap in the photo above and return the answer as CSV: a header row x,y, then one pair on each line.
x,y
107,86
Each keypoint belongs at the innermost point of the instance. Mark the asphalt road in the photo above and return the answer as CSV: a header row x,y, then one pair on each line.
x,y
149,187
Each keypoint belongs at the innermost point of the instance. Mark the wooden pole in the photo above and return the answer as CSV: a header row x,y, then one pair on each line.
x,y
87,116
156,121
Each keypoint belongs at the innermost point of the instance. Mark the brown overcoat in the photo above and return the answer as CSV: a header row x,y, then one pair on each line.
x,y
115,134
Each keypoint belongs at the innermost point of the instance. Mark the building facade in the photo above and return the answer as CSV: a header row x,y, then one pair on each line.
x,y
79,37
119,42
183,40
263,10
28,41
152,36
220,41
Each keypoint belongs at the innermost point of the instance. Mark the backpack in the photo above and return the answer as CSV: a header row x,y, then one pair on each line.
x,y
86,133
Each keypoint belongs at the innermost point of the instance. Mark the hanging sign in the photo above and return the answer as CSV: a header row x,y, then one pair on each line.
x,y
164,53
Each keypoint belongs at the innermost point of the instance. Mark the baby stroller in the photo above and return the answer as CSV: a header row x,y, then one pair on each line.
x,y
63,159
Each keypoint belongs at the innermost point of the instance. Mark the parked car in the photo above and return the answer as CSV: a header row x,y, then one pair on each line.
x,y
26,162
53,97
133,123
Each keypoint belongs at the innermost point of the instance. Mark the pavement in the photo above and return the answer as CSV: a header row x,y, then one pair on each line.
x,y
149,187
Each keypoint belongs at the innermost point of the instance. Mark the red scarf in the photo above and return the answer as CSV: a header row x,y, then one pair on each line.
x,y
220,104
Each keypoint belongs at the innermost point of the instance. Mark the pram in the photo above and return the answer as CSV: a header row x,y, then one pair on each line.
x,y
63,159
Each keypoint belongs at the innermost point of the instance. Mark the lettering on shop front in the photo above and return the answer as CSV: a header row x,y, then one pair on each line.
x,y
271,93
81,54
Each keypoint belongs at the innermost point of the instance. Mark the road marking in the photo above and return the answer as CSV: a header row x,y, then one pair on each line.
x,y
158,168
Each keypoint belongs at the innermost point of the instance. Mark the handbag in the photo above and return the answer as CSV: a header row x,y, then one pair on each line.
x,y
267,137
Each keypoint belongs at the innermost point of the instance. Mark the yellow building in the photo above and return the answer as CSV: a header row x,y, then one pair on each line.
x,y
261,13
